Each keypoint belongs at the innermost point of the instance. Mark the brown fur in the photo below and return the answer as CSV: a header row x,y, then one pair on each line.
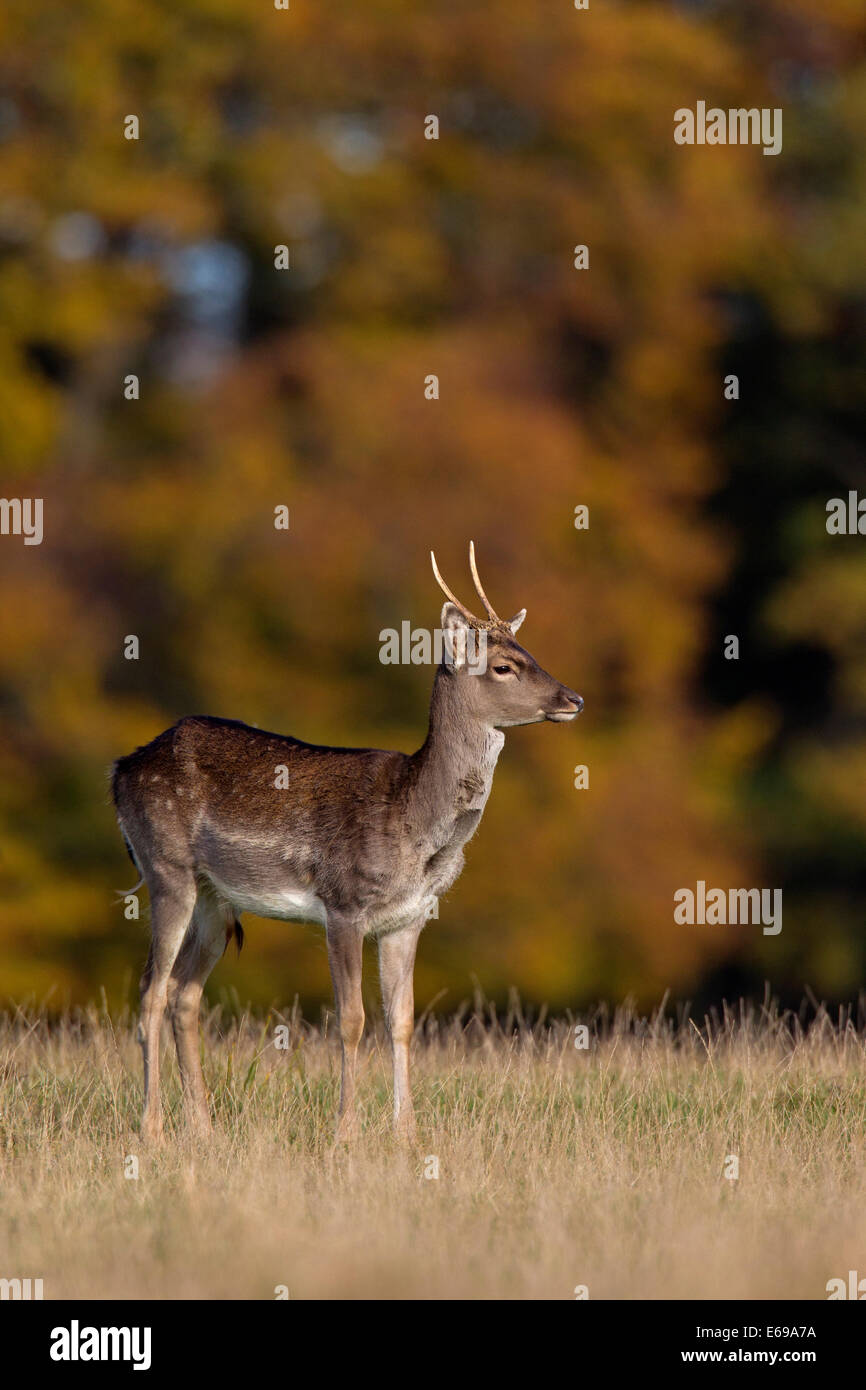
x,y
363,840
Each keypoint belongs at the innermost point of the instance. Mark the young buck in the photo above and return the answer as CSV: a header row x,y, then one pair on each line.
x,y
220,819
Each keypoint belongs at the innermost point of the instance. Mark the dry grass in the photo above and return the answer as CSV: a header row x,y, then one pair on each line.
x,y
557,1167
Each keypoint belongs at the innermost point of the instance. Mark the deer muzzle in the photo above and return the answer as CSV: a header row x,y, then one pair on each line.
x,y
570,707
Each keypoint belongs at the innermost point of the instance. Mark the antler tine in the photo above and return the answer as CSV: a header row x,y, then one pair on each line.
x,y
444,587
491,611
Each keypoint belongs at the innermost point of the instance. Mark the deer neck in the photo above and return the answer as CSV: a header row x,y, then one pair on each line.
x,y
453,770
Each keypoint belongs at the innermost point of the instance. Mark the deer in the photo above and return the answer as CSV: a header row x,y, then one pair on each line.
x,y
221,818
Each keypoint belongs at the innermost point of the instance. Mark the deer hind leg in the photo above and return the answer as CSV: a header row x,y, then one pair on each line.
x,y
204,944
396,965
171,905
345,945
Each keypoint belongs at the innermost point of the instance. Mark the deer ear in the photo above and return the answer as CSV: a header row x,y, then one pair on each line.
x,y
514,623
455,630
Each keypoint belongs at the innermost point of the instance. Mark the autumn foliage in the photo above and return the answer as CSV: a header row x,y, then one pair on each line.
x,y
558,387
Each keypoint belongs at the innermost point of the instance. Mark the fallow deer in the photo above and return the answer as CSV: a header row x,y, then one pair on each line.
x,y
359,840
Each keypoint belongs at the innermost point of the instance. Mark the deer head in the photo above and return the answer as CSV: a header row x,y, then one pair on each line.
x,y
509,687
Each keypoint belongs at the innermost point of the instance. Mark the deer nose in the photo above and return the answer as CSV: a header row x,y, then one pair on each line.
x,y
569,709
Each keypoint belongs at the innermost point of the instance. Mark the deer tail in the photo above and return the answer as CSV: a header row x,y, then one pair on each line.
x,y
235,930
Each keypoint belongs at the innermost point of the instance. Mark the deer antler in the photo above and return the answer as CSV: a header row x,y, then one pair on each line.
x,y
491,612
444,587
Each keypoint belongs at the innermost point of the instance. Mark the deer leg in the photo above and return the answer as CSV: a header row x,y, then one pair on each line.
x,y
203,946
345,944
396,964
171,907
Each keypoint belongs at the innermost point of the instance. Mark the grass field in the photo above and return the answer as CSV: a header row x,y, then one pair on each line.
x,y
557,1167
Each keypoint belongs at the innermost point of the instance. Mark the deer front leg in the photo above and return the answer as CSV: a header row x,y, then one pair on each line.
x,y
396,965
345,945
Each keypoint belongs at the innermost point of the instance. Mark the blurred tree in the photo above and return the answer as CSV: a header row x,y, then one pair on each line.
x,y
558,387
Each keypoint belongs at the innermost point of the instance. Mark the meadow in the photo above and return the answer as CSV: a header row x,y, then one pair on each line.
x,y
608,1167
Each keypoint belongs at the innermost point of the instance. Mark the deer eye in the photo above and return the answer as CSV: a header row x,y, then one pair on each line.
x,y
505,671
